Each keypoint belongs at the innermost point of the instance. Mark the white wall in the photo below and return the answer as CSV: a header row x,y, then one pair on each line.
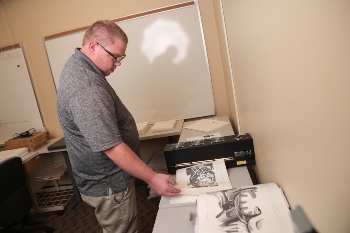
x,y
291,70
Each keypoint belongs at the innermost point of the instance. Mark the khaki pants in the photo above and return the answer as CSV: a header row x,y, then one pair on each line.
x,y
116,213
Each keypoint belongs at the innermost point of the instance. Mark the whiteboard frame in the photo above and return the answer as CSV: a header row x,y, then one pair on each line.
x,y
22,125
208,111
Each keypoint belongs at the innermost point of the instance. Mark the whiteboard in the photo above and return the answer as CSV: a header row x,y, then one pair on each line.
x,y
165,74
19,108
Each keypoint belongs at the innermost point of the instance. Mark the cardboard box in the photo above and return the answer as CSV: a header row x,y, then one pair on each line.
x,y
32,143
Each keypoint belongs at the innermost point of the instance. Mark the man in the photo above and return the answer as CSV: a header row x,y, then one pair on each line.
x,y
101,134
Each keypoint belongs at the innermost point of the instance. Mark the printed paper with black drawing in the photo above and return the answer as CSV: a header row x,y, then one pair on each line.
x,y
203,178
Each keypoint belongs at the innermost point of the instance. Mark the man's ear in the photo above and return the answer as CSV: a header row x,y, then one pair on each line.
x,y
92,46
89,49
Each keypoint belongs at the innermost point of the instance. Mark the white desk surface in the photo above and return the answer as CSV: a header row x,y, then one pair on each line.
x,y
166,133
42,150
175,220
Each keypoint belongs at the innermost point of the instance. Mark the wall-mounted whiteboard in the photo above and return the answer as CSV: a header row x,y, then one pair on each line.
x,y
165,74
19,109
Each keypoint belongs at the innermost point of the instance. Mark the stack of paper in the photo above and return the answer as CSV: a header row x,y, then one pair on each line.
x,y
258,208
163,125
206,125
198,179
203,178
142,127
19,152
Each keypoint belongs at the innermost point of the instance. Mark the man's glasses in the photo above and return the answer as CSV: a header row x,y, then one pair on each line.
x,y
116,59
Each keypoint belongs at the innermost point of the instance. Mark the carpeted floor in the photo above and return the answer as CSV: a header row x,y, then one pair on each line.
x,y
82,219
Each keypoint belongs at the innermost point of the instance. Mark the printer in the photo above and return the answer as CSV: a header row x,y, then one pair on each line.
x,y
235,150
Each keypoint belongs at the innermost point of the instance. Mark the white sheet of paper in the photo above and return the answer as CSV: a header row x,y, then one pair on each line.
x,y
258,208
206,136
182,199
208,177
163,125
142,127
206,125
19,152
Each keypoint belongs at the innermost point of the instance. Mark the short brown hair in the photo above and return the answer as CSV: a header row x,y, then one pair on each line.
x,y
105,32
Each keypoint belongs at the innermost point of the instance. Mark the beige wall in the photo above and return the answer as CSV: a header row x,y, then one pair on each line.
x,y
227,68
30,21
291,69
290,65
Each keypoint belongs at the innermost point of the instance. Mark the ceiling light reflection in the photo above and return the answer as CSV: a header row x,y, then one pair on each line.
x,y
161,35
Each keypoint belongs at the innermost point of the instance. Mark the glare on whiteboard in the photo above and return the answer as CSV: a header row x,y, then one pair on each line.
x,y
161,35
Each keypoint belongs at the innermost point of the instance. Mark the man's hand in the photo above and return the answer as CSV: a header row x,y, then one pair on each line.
x,y
163,185
127,160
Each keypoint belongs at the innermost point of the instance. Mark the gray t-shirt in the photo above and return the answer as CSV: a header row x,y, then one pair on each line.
x,y
93,119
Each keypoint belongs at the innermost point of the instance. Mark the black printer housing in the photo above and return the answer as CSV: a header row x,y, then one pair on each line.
x,y
236,150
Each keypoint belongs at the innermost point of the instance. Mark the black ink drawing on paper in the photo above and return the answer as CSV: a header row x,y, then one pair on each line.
x,y
201,176
236,215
